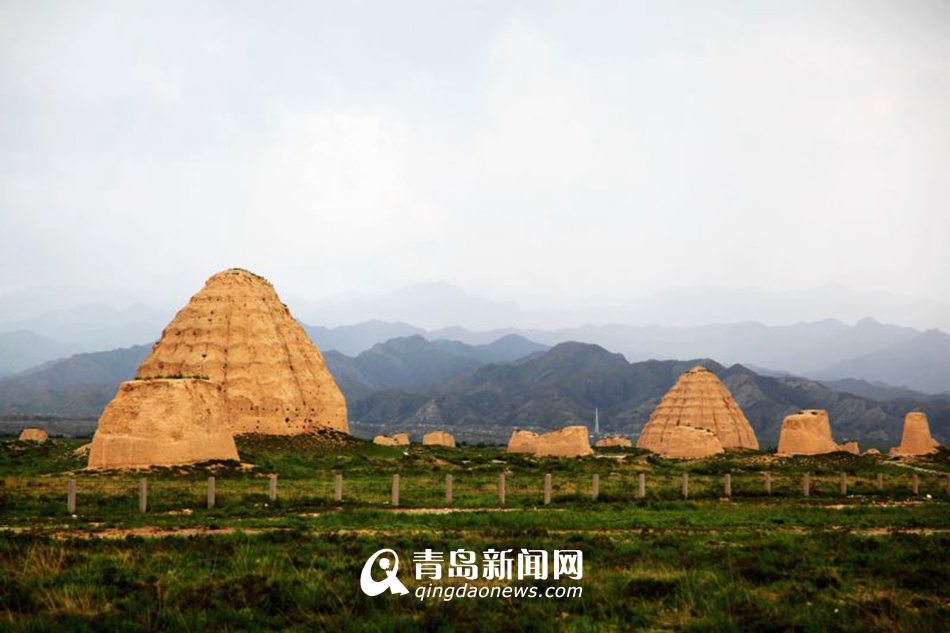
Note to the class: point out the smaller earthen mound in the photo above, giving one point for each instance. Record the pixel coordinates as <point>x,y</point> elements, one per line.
<point>523,442</point>
<point>439,438</point>
<point>807,432</point>
<point>398,439</point>
<point>916,439</point>
<point>571,441</point>
<point>163,422</point>
<point>34,434</point>
<point>690,442</point>
<point>83,451</point>
<point>850,447</point>
<point>872,451</point>
<point>614,442</point>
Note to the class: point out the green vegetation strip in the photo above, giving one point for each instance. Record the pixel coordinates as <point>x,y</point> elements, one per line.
<point>737,580</point>
<point>868,560</point>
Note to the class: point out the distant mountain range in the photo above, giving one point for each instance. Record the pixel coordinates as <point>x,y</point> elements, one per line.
<point>23,349</point>
<point>437,305</point>
<point>354,339</point>
<point>922,362</point>
<point>90,327</point>
<point>566,383</point>
<point>874,390</point>
<point>78,386</point>
<point>415,364</point>
<point>483,391</point>
<point>732,326</point>
<point>826,350</point>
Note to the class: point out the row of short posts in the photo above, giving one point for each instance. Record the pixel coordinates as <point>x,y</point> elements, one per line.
<point>502,488</point>
<point>878,483</point>
<point>143,493</point>
<point>642,486</point>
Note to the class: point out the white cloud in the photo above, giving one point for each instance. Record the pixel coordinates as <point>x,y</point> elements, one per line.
<point>536,152</point>
<point>336,169</point>
<point>159,83</point>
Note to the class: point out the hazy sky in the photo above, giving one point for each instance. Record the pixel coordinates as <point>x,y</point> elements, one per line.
<point>545,152</point>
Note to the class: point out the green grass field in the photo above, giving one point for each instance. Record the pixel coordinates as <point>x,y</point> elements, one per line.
<point>869,560</point>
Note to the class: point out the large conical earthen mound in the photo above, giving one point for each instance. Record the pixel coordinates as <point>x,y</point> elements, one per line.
<point>232,361</point>
<point>237,332</point>
<point>699,400</point>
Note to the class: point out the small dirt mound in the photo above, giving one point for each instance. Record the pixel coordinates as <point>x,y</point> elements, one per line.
<point>34,434</point>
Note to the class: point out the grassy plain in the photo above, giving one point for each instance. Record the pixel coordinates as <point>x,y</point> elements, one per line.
<point>869,560</point>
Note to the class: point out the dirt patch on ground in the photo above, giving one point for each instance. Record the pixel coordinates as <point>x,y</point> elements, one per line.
<point>155,532</point>
<point>447,510</point>
<point>632,531</point>
<point>883,531</point>
<point>876,504</point>
<point>908,463</point>
<point>145,532</point>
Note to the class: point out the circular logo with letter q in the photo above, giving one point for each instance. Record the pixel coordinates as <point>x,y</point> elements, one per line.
<point>373,587</point>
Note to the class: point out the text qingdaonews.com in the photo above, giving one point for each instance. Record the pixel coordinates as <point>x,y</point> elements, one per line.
<point>465,591</point>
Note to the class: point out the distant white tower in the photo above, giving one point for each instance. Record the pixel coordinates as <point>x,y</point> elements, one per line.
<point>596,422</point>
